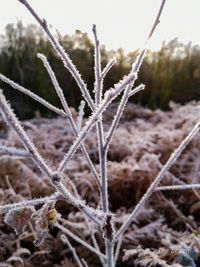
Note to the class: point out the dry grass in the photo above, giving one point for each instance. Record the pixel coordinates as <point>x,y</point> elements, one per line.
<point>142,143</point>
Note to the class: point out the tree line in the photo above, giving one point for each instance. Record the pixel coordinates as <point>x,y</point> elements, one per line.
<point>173,73</point>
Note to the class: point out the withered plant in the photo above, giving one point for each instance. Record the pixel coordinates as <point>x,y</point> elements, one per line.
<point>20,213</point>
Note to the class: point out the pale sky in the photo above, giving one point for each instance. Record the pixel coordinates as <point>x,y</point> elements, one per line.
<point>120,23</point>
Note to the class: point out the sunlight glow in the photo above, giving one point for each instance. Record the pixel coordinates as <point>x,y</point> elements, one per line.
<point>119,23</point>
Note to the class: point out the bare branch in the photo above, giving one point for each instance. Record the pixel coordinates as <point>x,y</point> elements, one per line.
<point>107,68</point>
<point>177,187</point>
<point>32,95</point>
<point>80,115</point>
<point>77,239</point>
<point>66,241</point>
<point>109,96</point>
<point>54,81</point>
<point>135,68</point>
<point>63,55</point>
<point>71,120</point>
<point>10,117</point>
<point>32,202</point>
<point>14,151</point>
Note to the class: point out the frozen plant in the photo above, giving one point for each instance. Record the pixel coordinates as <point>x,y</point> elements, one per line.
<point>18,214</point>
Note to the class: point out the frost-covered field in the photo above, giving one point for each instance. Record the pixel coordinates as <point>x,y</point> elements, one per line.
<point>141,145</point>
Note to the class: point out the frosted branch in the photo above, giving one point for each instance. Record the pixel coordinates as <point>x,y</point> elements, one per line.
<point>71,120</point>
<point>86,221</point>
<point>136,90</point>
<point>99,126</point>
<point>97,68</point>
<point>135,68</point>
<point>10,117</point>
<point>119,243</point>
<point>177,187</point>
<point>32,95</point>
<point>80,115</point>
<point>32,202</point>
<point>107,68</point>
<point>12,120</point>
<point>63,55</point>
<point>66,241</point>
<point>109,96</point>
<point>12,151</point>
<point>92,213</point>
<point>85,263</point>
<point>77,239</point>
<point>59,91</point>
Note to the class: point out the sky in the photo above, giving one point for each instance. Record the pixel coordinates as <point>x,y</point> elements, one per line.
<point>120,23</point>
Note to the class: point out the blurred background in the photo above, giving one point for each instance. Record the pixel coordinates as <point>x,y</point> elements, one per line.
<point>170,71</point>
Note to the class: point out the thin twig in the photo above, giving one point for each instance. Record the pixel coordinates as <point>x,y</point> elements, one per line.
<point>87,221</point>
<point>63,55</point>
<point>80,115</point>
<point>135,68</point>
<point>32,95</point>
<point>107,68</point>
<point>59,91</point>
<point>70,117</point>
<point>12,151</point>
<point>73,250</point>
<point>32,202</point>
<point>55,177</point>
<point>78,239</point>
<point>177,187</point>
<point>109,96</point>
<point>119,243</point>
<point>136,89</point>
<point>10,117</point>
<point>85,263</point>
<point>99,126</point>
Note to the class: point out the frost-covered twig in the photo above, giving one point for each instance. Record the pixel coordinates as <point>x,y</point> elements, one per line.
<point>32,95</point>
<point>109,96</point>
<point>97,68</point>
<point>107,68</point>
<point>25,203</point>
<point>77,239</point>
<point>80,115</point>
<point>76,194</point>
<point>59,91</point>
<point>102,152</point>
<point>135,69</point>
<point>66,241</point>
<point>100,132</point>
<point>177,187</point>
<point>85,263</point>
<point>70,117</point>
<point>127,93</point>
<point>119,243</point>
<point>55,177</point>
<point>136,89</point>
<point>63,55</point>
<point>92,213</point>
<point>12,151</point>
<point>12,120</point>
<point>150,190</point>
